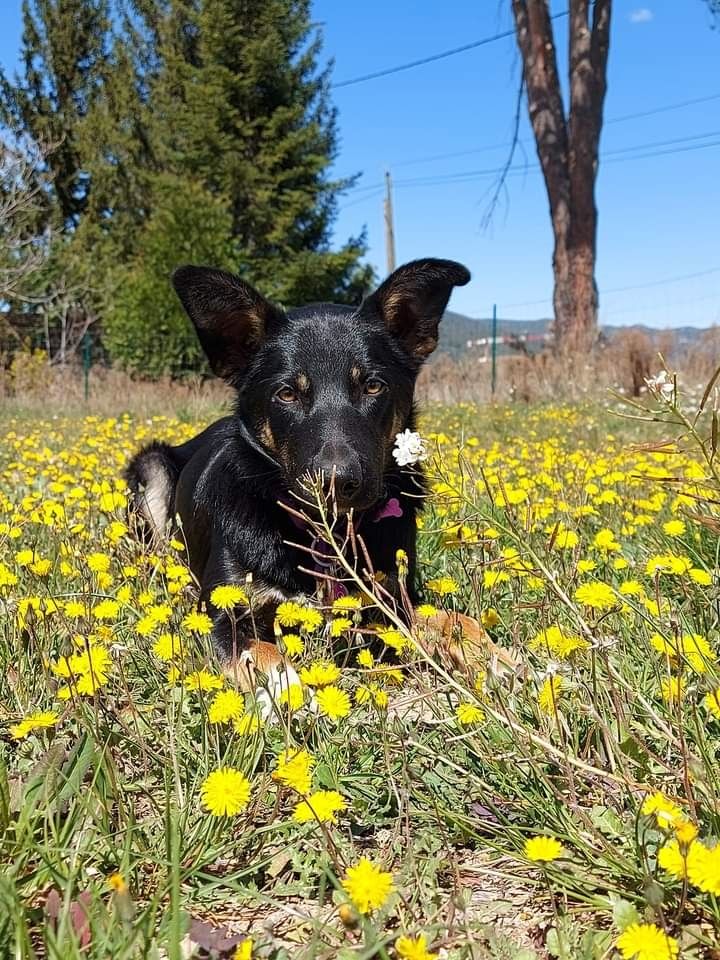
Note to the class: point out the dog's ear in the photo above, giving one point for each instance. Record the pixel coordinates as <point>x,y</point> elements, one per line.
<point>230,316</point>
<point>412,301</point>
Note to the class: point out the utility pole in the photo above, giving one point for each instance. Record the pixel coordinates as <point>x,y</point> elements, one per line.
<point>389,225</point>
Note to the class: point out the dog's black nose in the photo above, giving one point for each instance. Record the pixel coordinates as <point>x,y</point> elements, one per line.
<point>339,466</point>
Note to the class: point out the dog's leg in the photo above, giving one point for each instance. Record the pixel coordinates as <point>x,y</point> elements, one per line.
<point>152,478</point>
<point>251,662</point>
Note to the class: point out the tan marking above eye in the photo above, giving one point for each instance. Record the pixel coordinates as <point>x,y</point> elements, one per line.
<point>355,373</point>
<point>303,382</point>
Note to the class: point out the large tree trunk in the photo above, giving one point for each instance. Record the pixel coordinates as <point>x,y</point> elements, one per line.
<point>567,149</point>
<point>575,297</point>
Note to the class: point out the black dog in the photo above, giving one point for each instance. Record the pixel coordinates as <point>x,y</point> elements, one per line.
<point>321,390</point>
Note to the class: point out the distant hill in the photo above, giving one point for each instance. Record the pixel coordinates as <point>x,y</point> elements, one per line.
<point>458,330</point>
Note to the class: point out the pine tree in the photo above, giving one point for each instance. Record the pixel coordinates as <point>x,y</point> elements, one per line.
<point>63,50</point>
<point>185,130</point>
<point>238,103</point>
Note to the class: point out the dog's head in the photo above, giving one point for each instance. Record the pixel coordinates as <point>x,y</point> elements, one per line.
<point>323,389</point>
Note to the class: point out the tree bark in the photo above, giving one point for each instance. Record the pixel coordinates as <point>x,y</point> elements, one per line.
<point>567,148</point>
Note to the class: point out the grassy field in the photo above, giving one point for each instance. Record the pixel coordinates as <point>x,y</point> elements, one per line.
<point>559,799</point>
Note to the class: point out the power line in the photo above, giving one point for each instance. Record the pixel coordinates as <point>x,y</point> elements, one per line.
<point>464,176</point>
<point>655,307</point>
<point>633,286</point>
<point>433,57</point>
<point>526,141</point>
<point>524,170</point>
<point>670,106</point>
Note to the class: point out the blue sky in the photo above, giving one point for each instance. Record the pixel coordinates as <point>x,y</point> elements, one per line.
<point>658,188</point>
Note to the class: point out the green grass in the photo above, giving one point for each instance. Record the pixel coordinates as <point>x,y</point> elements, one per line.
<point>114,786</point>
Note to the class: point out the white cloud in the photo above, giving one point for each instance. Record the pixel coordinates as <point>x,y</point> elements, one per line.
<point>641,15</point>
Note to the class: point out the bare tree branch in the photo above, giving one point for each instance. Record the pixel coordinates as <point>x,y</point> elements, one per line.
<point>500,185</point>
<point>24,246</point>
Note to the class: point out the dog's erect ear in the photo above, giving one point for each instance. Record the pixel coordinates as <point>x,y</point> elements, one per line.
<point>412,301</point>
<point>230,316</point>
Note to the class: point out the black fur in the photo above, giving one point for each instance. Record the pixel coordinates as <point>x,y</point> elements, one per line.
<point>320,390</point>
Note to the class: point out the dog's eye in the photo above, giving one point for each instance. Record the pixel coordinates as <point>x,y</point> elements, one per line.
<point>374,387</point>
<point>286,395</point>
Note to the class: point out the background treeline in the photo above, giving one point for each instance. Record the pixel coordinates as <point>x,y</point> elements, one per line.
<point>141,134</point>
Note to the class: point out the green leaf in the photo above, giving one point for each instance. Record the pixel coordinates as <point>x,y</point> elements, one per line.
<point>624,913</point>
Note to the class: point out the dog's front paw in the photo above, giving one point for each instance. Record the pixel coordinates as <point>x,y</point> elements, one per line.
<point>464,642</point>
<point>263,671</point>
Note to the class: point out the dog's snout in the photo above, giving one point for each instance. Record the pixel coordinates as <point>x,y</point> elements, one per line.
<point>340,468</point>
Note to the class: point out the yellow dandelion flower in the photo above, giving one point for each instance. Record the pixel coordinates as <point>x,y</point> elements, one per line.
<point>339,626</point>
<point>700,576</point>
<point>366,659</point>
<point>106,610</point>
<point>363,695</point>
<point>291,614</point>
<point>492,577</point>
<point>712,702</point>
<point>674,528</point>
<point>672,689</point>
<point>40,720</point>
<point>243,951</point>
<point>248,723</point>
<point>367,885</point>
<point>554,640</point>
<point>393,639</point>
<point>98,562</point>
<point>426,610</point>
<point>442,586</point>
<point>685,831</point>
<point>596,595</point>
<point>111,501</point>
<point>469,713</point>
<point>333,702</point>
<point>146,626</point>
<point>168,647</point>
<point>490,618</point>
<point>117,883</point>
<point>319,674</point>
<point>543,849</point>
<point>605,540</point>
<point>228,596</point>
<point>75,609</point>
<point>203,680</point>
<point>293,644</point>
<point>292,696</point>
<point>322,805</point>
<point>198,622</point>
<point>665,811</point>
<point>645,941</point>
<point>414,948</point>
<point>227,705</point>
<point>225,792</point>
<point>672,859</point>
<point>703,868</point>
<point>346,604</point>
<point>550,694</point>
<point>294,770</point>
<point>566,540</point>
